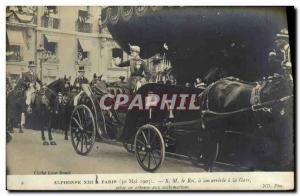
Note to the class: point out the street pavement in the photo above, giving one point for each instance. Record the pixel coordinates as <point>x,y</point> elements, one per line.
<point>27,155</point>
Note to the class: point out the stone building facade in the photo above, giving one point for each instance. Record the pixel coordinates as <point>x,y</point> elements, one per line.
<point>70,36</point>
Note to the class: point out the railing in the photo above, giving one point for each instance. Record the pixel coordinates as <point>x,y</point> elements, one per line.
<point>53,60</point>
<point>50,22</point>
<point>13,58</point>
<point>83,27</point>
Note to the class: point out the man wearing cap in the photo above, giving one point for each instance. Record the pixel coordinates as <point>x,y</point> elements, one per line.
<point>31,77</point>
<point>80,79</point>
<point>280,57</point>
<point>139,72</point>
<point>155,68</point>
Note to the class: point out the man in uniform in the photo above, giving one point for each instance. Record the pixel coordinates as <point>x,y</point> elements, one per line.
<point>30,77</point>
<point>80,79</point>
<point>139,73</point>
<point>280,57</point>
<point>78,83</point>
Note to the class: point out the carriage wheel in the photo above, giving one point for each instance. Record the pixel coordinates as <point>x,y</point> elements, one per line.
<point>129,145</point>
<point>83,129</point>
<point>149,147</point>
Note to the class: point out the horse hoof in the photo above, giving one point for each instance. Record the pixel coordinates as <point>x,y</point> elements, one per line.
<point>53,143</point>
<point>45,143</point>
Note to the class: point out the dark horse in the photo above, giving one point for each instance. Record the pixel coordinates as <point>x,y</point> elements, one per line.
<point>15,106</point>
<point>261,109</point>
<point>47,108</point>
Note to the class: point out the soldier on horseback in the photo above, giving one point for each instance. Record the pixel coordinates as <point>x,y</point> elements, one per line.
<point>30,77</point>
<point>139,72</point>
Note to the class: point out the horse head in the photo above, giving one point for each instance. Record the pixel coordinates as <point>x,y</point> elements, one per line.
<point>29,97</point>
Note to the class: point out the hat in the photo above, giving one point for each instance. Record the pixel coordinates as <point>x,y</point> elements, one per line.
<point>31,64</point>
<point>135,49</point>
<point>284,33</point>
<point>81,69</point>
<point>59,94</point>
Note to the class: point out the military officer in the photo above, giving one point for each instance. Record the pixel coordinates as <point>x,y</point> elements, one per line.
<point>80,79</point>
<point>139,72</point>
<point>30,77</point>
<point>280,58</point>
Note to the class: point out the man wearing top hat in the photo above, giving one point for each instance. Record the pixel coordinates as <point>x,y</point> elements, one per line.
<point>31,77</point>
<point>139,72</point>
<point>80,79</point>
<point>280,57</point>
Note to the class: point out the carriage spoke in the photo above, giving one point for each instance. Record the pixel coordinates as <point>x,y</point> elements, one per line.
<point>84,114</point>
<point>153,139</point>
<point>153,157</point>
<point>81,142</point>
<point>87,138</point>
<point>145,155</point>
<point>144,136</point>
<point>140,142</point>
<point>157,152</point>
<point>85,141</point>
<point>79,118</point>
<point>149,164</point>
<point>88,123</point>
<point>149,137</point>
<point>79,125</point>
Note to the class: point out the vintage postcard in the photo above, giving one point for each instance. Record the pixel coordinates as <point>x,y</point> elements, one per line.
<point>161,98</point>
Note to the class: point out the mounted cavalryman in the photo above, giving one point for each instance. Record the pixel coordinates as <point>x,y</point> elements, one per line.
<point>139,72</point>
<point>31,77</point>
<point>81,79</point>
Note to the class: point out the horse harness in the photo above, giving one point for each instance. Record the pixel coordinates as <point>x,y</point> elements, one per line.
<point>255,101</point>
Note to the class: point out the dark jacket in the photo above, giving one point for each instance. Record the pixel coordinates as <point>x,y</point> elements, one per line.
<point>79,81</point>
<point>135,70</point>
<point>29,77</point>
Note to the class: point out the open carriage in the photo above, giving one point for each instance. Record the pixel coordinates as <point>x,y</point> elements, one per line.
<point>148,133</point>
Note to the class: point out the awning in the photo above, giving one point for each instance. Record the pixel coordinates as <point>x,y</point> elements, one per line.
<point>86,45</point>
<point>15,37</point>
<point>24,18</point>
<point>51,38</point>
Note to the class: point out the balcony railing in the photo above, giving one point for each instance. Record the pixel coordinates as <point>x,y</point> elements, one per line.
<point>50,22</point>
<point>14,58</point>
<point>83,27</point>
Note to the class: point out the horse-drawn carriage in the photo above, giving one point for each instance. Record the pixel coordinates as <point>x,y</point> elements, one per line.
<point>145,132</point>
<point>226,105</point>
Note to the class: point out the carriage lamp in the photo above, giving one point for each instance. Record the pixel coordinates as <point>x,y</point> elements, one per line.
<point>42,56</point>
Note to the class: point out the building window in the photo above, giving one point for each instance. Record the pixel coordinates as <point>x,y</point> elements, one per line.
<point>51,47</point>
<point>51,10</point>
<point>83,23</point>
<point>117,57</point>
<point>83,52</point>
<point>14,53</point>
<point>50,18</point>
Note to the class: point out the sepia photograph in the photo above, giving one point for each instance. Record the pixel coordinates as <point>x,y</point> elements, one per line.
<point>161,98</point>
